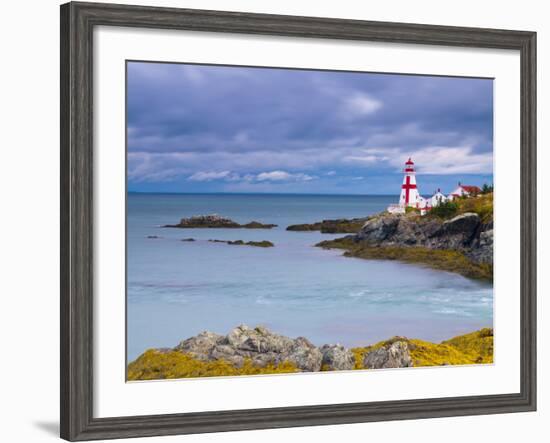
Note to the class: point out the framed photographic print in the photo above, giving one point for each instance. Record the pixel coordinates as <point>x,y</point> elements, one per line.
<point>273,221</point>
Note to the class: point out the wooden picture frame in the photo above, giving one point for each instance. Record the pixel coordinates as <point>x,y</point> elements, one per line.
<point>77,23</point>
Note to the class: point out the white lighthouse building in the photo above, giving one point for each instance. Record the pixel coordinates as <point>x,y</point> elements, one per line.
<point>409,191</point>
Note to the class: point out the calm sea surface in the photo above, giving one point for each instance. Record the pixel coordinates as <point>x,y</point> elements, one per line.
<point>177,289</point>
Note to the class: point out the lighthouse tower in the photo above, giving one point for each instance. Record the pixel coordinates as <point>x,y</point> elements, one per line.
<point>409,192</point>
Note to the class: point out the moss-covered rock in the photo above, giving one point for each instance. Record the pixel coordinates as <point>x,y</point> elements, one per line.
<point>443,259</point>
<point>473,348</point>
<point>246,351</point>
<point>155,365</point>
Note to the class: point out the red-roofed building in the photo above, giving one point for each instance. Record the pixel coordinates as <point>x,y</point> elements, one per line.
<point>464,190</point>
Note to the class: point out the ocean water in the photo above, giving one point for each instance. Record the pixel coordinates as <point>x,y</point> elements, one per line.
<point>177,289</point>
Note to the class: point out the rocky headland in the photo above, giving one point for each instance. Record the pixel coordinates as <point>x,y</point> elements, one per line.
<point>217,221</point>
<point>249,351</point>
<point>461,243</point>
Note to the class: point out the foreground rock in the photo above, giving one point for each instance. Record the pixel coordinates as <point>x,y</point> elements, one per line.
<point>340,226</point>
<point>337,358</point>
<point>246,351</point>
<point>216,221</point>
<point>392,355</point>
<point>259,345</point>
<point>258,244</point>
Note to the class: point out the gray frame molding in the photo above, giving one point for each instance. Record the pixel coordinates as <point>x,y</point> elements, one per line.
<point>77,24</point>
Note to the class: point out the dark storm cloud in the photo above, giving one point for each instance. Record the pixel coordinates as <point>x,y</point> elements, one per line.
<point>230,124</point>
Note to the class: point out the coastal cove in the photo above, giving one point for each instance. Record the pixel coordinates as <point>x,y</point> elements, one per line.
<point>178,289</point>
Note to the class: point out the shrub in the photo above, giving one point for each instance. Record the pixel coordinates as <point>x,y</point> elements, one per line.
<point>445,210</point>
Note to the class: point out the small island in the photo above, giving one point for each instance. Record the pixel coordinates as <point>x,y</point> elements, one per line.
<point>339,226</point>
<point>217,221</point>
<point>250,351</point>
<point>258,244</point>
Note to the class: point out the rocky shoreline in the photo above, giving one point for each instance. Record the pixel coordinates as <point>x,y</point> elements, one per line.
<point>462,244</point>
<point>249,351</point>
<point>216,221</point>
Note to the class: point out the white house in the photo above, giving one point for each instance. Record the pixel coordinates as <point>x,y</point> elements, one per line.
<point>437,198</point>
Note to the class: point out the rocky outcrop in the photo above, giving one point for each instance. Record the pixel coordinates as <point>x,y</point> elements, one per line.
<point>246,351</point>
<point>337,358</point>
<point>258,244</point>
<point>216,221</point>
<point>394,354</point>
<point>340,226</point>
<point>465,233</point>
<point>483,250</point>
<point>259,345</point>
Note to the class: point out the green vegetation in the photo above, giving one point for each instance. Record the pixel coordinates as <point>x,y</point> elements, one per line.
<point>481,204</point>
<point>473,348</point>
<point>411,210</point>
<point>158,365</point>
<point>445,210</point>
<point>443,259</point>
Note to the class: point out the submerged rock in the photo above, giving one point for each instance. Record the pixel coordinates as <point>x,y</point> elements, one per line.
<point>337,358</point>
<point>392,355</point>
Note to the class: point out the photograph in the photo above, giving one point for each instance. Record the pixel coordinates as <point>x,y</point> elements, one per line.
<point>285,221</point>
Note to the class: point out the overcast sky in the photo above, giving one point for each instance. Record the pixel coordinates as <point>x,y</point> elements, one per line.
<point>198,128</point>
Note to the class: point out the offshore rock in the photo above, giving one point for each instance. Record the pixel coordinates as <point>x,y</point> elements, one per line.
<point>216,221</point>
<point>339,226</point>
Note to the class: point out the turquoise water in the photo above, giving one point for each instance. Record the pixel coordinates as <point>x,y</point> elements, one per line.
<point>177,289</point>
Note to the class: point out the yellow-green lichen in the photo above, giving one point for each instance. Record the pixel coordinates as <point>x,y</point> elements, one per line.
<point>473,348</point>
<point>155,365</point>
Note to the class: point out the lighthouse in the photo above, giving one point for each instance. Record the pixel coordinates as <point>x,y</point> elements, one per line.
<point>410,197</point>
<point>409,192</point>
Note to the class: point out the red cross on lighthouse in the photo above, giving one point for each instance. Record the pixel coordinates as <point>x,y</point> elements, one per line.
<point>407,187</point>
